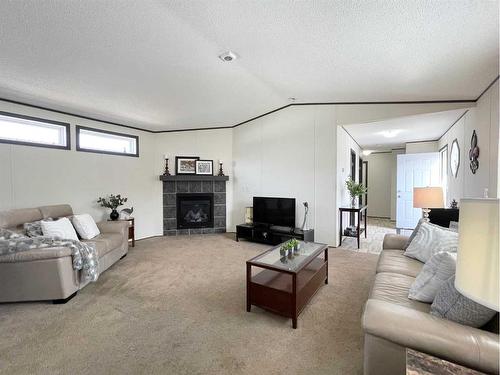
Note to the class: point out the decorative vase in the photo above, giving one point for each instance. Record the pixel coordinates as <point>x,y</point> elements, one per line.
<point>296,248</point>
<point>283,253</point>
<point>114,215</point>
<point>353,201</point>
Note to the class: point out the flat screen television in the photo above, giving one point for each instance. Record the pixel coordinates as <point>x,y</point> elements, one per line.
<point>274,211</point>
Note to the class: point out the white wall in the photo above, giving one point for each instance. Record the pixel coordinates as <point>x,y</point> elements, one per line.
<point>484,119</point>
<point>213,145</point>
<point>290,153</point>
<point>380,170</point>
<point>394,181</point>
<point>35,176</point>
<point>419,147</point>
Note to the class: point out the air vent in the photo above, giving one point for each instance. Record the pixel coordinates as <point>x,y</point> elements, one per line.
<point>228,56</point>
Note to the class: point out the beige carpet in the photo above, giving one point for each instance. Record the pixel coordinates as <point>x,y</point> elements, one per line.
<point>377,228</point>
<point>177,306</point>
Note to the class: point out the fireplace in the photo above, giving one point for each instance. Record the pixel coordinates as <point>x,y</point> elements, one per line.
<point>195,211</point>
<point>180,192</point>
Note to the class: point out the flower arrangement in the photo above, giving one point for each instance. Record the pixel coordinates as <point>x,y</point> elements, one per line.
<point>112,202</point>
<point>355,189</point>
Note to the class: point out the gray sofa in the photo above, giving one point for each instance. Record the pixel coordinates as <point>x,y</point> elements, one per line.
<point>392,322</point>
<point>48,274</point>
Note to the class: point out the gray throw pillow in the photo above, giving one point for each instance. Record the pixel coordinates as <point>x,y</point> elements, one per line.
<point>450,304</point>
<point>413,234</point>
<point>34,229</point>
<point>433,275</point>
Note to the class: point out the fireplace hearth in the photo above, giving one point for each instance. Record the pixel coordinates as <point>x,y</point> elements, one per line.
<point>195,211</point>
<point>194,204</point>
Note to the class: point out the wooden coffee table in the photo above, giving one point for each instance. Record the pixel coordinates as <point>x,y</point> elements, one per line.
<point>286,284</point>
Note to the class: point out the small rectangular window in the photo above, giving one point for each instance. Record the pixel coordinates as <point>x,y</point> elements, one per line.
<point>106,142</point>
<point>33,131</point>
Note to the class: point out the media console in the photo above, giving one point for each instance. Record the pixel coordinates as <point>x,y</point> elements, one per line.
<point>272,235</point>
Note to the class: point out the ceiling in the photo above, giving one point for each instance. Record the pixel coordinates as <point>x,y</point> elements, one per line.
<point>396,132</point>
<point>153,64</point>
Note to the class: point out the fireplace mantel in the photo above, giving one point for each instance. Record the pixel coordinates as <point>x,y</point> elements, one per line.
<point>188,177</point>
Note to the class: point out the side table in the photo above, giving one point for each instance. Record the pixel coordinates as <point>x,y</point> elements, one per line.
<point>131,230</point>
<point>360,210</point>
<point>418,363</point>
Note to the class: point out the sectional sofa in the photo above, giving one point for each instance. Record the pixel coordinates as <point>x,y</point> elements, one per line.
<point>392,322</point>
<point>48,274</point>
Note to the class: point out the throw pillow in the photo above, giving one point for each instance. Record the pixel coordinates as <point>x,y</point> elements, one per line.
<point>431,239</point>
<point>34,229</point>
<point>450,304</point>
<point>433,275</point>
<point>413,234</point>
<point>61,228</point>
<point>85,226</point>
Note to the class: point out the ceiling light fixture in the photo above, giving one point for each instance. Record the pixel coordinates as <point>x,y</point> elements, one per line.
<point>228,56</point>
<point>367,152</point>
<point>390,133</point>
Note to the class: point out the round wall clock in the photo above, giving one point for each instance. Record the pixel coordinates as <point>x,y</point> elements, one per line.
<point>454,158</point>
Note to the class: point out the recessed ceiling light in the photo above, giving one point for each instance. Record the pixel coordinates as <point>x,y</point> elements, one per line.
<point>367,152</point>
<point>228,56</point>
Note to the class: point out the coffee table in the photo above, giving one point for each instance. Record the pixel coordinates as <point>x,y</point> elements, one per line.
<point>286,284</point>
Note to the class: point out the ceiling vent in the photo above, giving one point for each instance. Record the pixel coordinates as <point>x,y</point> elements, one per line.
<point>228,56</point>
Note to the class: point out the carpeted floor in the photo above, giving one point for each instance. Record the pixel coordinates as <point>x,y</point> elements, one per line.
<point>377,228</point>
<point>176,305</point>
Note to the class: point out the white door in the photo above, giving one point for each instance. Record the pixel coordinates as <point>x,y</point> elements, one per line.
<point>414,170</point>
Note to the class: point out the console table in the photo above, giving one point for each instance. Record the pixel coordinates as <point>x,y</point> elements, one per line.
<point>360,210</point>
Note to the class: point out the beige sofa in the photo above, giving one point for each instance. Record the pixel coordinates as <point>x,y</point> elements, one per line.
<point>392,322</point>
<point>48,274</point>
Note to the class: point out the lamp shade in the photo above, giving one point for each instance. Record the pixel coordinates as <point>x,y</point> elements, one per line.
<point>428,197</point>
<point>478,252</point>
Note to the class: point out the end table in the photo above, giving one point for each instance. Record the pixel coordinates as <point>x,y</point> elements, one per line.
<point>131,229</point>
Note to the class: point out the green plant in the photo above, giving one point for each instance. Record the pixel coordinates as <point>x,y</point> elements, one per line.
<point>355,189</point>
<point>293,242</point>
<point>112,202</point>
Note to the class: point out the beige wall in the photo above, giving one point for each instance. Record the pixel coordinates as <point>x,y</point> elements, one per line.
<point>380,168</point>
<point>484,119</point>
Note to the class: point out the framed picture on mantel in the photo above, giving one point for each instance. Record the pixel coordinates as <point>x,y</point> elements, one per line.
<point>205,167</point>
<point>185,164</point>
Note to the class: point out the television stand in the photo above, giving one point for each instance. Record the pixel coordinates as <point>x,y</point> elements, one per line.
<point>270,235</point>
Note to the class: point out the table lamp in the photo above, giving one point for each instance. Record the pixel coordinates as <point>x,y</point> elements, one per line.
<point>427,198</point>
<point>478,252</point>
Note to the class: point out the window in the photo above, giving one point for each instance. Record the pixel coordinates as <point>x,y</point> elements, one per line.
<point>105,142</point>
<point>32,131</point>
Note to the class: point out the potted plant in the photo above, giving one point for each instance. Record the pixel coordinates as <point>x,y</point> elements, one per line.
<point>112,202</point>
<point>284,250</point>
<point>355,189</point>
<point>295,245</point>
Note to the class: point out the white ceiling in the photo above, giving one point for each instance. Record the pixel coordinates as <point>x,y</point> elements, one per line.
<point>154,64</point>
<point>396,132</point>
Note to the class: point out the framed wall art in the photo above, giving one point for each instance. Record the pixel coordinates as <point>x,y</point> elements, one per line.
<point>205,167</point>
<point>185,164</point>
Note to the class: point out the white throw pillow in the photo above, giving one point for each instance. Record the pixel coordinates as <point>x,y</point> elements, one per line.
<point>431,239</point>
<point>85,226</point>
<point>60,228</point>
<point>433,275</point>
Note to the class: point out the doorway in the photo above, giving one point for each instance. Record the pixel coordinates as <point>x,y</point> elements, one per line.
<point>414,170</point>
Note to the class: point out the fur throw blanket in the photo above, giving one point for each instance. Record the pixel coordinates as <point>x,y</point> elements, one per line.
<point>84,254</point>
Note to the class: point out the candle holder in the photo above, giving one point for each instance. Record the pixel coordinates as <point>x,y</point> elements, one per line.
<point>167,172</point>
<point>221,172</point>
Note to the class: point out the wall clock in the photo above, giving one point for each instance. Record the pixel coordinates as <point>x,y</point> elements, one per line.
<point>454,158</point>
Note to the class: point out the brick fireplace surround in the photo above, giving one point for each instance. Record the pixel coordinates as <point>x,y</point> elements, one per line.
<point>196,185</point>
